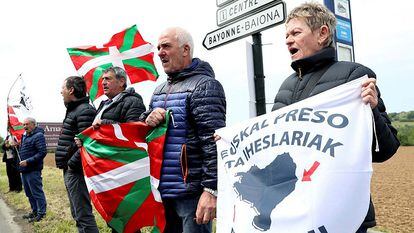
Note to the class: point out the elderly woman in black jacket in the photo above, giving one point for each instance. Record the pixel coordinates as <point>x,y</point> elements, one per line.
<point>11,159</point>
<point>309,39</point>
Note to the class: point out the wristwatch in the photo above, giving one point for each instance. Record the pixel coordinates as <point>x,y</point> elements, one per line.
<point>211,191</point>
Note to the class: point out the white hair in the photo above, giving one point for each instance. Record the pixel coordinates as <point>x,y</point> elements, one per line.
<point>183,38</point>
<point>31,120</point>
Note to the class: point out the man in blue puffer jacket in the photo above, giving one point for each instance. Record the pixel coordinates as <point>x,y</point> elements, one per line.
<point>32,153</point>
<point>196,99</point>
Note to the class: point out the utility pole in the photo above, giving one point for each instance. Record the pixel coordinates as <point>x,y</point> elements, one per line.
<point>259,81</point>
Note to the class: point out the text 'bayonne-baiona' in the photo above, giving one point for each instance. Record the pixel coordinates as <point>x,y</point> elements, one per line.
<point>246,26</point>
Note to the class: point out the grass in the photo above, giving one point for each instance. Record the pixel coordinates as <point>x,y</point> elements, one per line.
<point>381,229</point>
<point>58,217</point>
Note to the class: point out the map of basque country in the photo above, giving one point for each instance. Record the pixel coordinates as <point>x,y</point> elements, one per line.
<point>266,188</point>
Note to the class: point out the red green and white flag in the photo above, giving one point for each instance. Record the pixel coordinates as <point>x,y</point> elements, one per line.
<point>126,49</point>
<point>18,108</point>
<point>15,126</point>
<point>122,166</point>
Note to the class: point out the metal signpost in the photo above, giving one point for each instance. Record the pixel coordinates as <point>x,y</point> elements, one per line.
<point>242,18</point>
<point>343,37</point>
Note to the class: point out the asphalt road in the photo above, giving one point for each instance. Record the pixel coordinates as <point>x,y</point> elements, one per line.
<point>6,219</point>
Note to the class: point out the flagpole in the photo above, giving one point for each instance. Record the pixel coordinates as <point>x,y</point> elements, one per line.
<point>18,154</point>
<point>8,94</point>
<point>16,148</point>
<point>8,97</point>
<point>7,108</point>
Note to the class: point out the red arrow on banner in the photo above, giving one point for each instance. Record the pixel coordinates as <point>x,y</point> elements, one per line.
<point>307,174</point>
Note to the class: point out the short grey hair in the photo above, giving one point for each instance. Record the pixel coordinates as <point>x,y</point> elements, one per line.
<point>31,120</point>
<point>119,73</point>
<point>183,38</point>
<point>315,16</point>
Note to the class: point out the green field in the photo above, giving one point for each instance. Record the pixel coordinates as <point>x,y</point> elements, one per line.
<point>399,124</point>
<point>58,218</point>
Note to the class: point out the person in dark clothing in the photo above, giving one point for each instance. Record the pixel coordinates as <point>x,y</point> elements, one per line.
<point>11,159</point>
<point>123,105</point>
<point>196,99</point>
<point>309,38</point>
<point>32,152</point>
<point>79,116</point>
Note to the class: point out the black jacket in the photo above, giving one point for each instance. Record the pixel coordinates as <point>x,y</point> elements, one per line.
<point>335,73</point>
<point>127,108</point>
<point>79,116</point>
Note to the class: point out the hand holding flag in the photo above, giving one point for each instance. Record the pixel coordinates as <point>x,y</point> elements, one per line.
<point>122,166</point>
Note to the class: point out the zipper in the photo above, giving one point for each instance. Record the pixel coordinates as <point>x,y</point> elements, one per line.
<point>295,94</point>
<point>172,119</point>
<point>375,133</point>
<point>166,96</point>
<point>184,163</point>
<point>165,105</point>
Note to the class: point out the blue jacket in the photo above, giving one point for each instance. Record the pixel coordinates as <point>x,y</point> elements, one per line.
<point>33,150</point>
<point>198,106</point>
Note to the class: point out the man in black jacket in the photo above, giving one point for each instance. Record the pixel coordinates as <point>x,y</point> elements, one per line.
<point>79,116</point>
<point>123,105</point>
<point>188,180</point>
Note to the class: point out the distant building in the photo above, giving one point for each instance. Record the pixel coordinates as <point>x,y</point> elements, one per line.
<point>52,132</point>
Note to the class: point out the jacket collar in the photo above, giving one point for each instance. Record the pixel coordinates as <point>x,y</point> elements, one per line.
<point>36,130</point>
<point>197,67</point>
<point>314,62</point>
<point>73,104</point>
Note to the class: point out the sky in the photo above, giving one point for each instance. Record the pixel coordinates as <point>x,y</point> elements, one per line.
<point>35,35</point>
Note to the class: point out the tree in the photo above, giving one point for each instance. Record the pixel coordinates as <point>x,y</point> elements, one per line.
<point>1,143</point>
<point>410,115</point>
<point>393,116</point>
<point>406,135</point>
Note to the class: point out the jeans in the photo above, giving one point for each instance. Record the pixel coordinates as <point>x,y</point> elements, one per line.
<point>180,216</point>
<point>80,203</point>
<point>33,187</point>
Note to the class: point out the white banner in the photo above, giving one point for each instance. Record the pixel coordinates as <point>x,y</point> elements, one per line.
<point>305,168</point>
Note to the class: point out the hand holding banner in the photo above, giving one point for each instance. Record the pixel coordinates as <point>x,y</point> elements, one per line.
<point>303,168</point>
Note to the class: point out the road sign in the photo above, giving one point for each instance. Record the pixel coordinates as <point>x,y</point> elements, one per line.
<point>222,2</point>
<point>343,30</point>
<point>239,8</point>
<point>260,21</point>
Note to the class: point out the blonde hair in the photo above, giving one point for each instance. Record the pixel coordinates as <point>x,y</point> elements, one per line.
<point>315,16</point>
